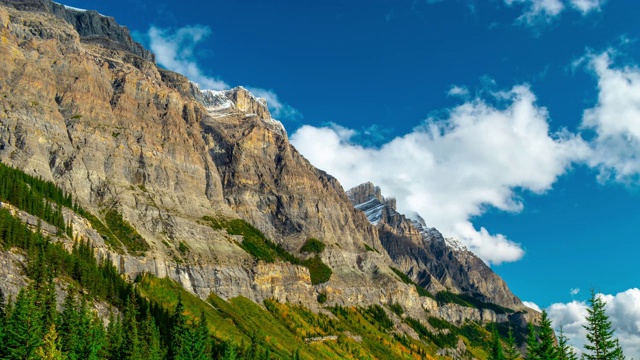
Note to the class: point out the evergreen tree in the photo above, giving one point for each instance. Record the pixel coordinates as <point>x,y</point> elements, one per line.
<point>532,343</point>
<point>565,351</point>
<point>179,332</point>
<point>511,351</point>
<point>114,340</point>
<point>200,346</point>
<point>50,348</point>
<point>150,338</point>
<point>230,352</point>
<point>546,350</point>
<point>92,330</point>
<point>23,327</point>
<point>131,342</point>
<point>496,352</point>
<point>601,343</point>
<point>70,328</point>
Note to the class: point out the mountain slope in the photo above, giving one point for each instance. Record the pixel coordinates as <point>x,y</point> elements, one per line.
<point>436,263</point>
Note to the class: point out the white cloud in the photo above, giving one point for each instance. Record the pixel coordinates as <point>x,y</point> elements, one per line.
<point>532,305</point>
<point>623,310</point>
<point>575,291</point>
<point>538,10</point>
<point>615,120</point>
<point>545,11</point>
<point>278,109</point>
<point>450,170</point>
<point>586,6</point>
<point>175,50</point>
<point>458,91</point>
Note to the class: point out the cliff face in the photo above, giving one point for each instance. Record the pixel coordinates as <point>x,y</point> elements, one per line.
<point>436,263</point>
<point>83,106</point>
<point>90,25</point>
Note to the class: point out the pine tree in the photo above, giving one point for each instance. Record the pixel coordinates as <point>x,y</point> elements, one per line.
<point>179,332</point>
<point>511,351</point>
<point>50,348</point>
<point>131,341</point>
<point>546,350</point>
<point>150,337</point>
<point>496,352</point>
<point>114,339</point>
<point>532,343</point>
<point>201,349</point>
<point>565,351</point>
<point>92,330</point>
<point>23,327</point>
<point>70,332</point>
<point>230,352</point>
<point>602,345</point>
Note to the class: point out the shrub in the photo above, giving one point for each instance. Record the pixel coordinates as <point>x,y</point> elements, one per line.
<point>322,298</point>
<point>397,309</point>
<point>313,246</point>
<point>319,271</point>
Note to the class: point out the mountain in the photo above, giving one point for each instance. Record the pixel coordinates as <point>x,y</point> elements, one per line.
<point>436,263</point>
<point>203,189</point>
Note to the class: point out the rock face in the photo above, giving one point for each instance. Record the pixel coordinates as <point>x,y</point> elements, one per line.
<point>99,119</point>
<point>430,260</point>
<point>90,25</point>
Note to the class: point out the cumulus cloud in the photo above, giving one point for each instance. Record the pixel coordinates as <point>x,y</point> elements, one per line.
<point>623,310</point>
<point>175,50</point>
<point>278,109</point>
<point>532,305</point>
<point>586,6</point>
<point>615,121</point>
<point>452,169</point>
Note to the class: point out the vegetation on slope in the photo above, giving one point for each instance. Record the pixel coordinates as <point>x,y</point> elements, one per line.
<point>405,279</point>
<point>446,297</point>
<point>313,245</point>
<point>158,319</point>
<point>259,246</point>
<point>45,200</point>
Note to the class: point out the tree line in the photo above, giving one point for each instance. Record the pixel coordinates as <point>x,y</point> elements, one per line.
<point>542,345</point>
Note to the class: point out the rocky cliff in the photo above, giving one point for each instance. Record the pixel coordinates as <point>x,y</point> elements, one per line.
<point>436,263</point>
<point>85,107</point>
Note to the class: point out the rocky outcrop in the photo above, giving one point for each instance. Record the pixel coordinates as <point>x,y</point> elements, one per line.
<point>90,25</point>
<point>421,252</point>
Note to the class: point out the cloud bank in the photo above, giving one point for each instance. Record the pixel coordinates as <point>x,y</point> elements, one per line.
<point>623,310</point>
<point>615,120</point>
<point>451,169</point>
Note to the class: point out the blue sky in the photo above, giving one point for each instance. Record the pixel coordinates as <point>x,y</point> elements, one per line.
<point>519,117</point>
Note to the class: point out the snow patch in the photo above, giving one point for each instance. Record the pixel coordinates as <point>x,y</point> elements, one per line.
<point>372,209</point>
